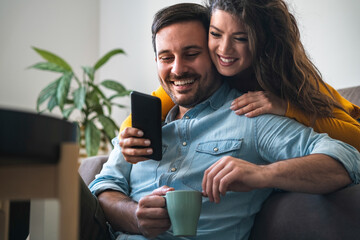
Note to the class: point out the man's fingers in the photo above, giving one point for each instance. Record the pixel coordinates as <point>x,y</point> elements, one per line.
<point>132,141</point>
<point>162,190</point>
<point>131,132</point>
<point>136,152</point>
<point>208,179</point>
<point>217,183</point>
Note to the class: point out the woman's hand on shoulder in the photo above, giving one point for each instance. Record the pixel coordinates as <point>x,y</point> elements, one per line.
<point>253,104</point>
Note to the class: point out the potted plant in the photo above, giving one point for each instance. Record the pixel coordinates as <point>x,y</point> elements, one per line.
<point>70,93</point>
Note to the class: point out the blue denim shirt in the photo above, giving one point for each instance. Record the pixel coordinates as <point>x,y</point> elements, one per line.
<point>206,133</point>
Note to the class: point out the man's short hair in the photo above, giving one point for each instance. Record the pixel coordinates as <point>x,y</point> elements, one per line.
<point>179,13</point>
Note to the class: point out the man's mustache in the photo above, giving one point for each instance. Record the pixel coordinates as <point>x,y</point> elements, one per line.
<point>183,76</point>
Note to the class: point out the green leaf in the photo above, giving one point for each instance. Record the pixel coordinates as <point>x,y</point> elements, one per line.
<point>125,93</point>
<point>92,99</point>
<point>119,105</point>
<point>106,57</point>
<point>103,97</point>
<point>63,89</point>
<point>79,97</point>
<point>47,92</point>
<point>66,113</point>
<point>97,109</point>
<point>49,66</point>
<point>92,139</point>
<point>89,71</point>
<point>51,57</point>
<point>113,85</point>
<point>109,126</point>
<point>52,103</point>
<point>93,102</point>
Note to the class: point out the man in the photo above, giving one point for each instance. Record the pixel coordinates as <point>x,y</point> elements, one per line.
<point>234,160</point>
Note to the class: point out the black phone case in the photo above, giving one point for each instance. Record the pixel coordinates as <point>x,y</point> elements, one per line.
<point>146,116</point>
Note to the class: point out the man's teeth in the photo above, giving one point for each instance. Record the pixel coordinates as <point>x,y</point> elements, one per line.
<point>227,60</point>
<point>183,82</point>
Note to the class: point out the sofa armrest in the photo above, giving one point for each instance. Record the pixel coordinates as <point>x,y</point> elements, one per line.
<point>309,216</point>
<point>91,166</point>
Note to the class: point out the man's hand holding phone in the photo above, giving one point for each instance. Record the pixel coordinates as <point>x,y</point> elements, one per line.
<point>131,139</point>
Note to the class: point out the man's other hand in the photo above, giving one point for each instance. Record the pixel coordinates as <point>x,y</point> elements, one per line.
<point>151,213</point>
<point>232,174</point>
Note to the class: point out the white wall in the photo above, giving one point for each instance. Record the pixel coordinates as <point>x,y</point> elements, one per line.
<point>330,33</point>
<point>68,28</point>
<point>81,31</point>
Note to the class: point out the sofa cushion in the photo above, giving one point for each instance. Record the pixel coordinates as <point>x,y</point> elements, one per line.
<point>298,216</point>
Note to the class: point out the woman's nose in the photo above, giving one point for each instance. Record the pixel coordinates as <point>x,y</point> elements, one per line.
<point>225,46</point>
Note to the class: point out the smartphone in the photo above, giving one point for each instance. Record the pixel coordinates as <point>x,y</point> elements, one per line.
<point>146,116</point>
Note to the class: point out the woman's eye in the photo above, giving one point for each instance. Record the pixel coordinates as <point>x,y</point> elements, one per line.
<point>215,34</point>
<point>241,39</point>
<point>193,54</point>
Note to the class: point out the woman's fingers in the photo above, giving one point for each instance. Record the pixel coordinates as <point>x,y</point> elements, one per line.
<point>253,104</point>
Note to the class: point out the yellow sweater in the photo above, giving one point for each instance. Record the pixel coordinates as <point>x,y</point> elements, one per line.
<point>343,126</point>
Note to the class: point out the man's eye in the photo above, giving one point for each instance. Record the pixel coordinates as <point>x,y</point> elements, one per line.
<point>215,34</point>
<point>165,59</point>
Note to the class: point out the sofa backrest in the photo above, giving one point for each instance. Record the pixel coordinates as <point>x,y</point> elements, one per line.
<point>352,94</point>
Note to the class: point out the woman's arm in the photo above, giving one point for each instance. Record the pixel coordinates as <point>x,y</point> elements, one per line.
<point>342,126</point>
<point>166,105</point>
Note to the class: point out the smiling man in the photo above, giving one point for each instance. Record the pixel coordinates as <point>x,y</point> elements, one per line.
<point>184,66</point>
<point>234,160</point>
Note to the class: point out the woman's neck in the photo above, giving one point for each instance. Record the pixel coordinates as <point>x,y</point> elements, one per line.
<point>244,81</point>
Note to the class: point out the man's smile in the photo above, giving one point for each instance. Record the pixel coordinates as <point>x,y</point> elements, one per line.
<point>183,82</point>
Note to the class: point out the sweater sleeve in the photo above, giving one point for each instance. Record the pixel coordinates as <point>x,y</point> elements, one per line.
<point>166,105</point>
<point>342,126</point>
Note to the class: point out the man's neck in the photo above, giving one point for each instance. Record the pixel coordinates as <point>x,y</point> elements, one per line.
<point>181,112</point>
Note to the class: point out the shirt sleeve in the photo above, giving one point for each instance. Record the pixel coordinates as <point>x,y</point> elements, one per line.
<point>166,105</point>
<point>284,139</point>
<point>342,126</point>
<point>115,174</point>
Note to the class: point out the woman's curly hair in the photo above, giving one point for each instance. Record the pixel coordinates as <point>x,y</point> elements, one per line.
<point>279,60</point>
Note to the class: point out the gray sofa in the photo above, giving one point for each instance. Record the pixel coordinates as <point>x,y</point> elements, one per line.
<point>292,216</point>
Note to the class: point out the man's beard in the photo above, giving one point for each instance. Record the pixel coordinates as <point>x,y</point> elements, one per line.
<point>189,103</point>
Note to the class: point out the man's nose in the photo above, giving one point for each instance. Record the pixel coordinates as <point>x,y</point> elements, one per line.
<point>179,66</point>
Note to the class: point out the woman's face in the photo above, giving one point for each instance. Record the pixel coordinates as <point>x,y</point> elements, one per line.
<point>228,43</point>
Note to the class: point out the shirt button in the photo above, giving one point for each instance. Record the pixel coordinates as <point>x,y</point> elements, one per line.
<point>187,117</point>
<point>173,169</point>
<point>216,149</point>
<point>184,143</point>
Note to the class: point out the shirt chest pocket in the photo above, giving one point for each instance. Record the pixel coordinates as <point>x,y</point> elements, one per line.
<point>219,147</point>
<point>205,155</point>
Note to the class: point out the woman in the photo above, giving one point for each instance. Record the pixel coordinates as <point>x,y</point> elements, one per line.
<point>256,46</point>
